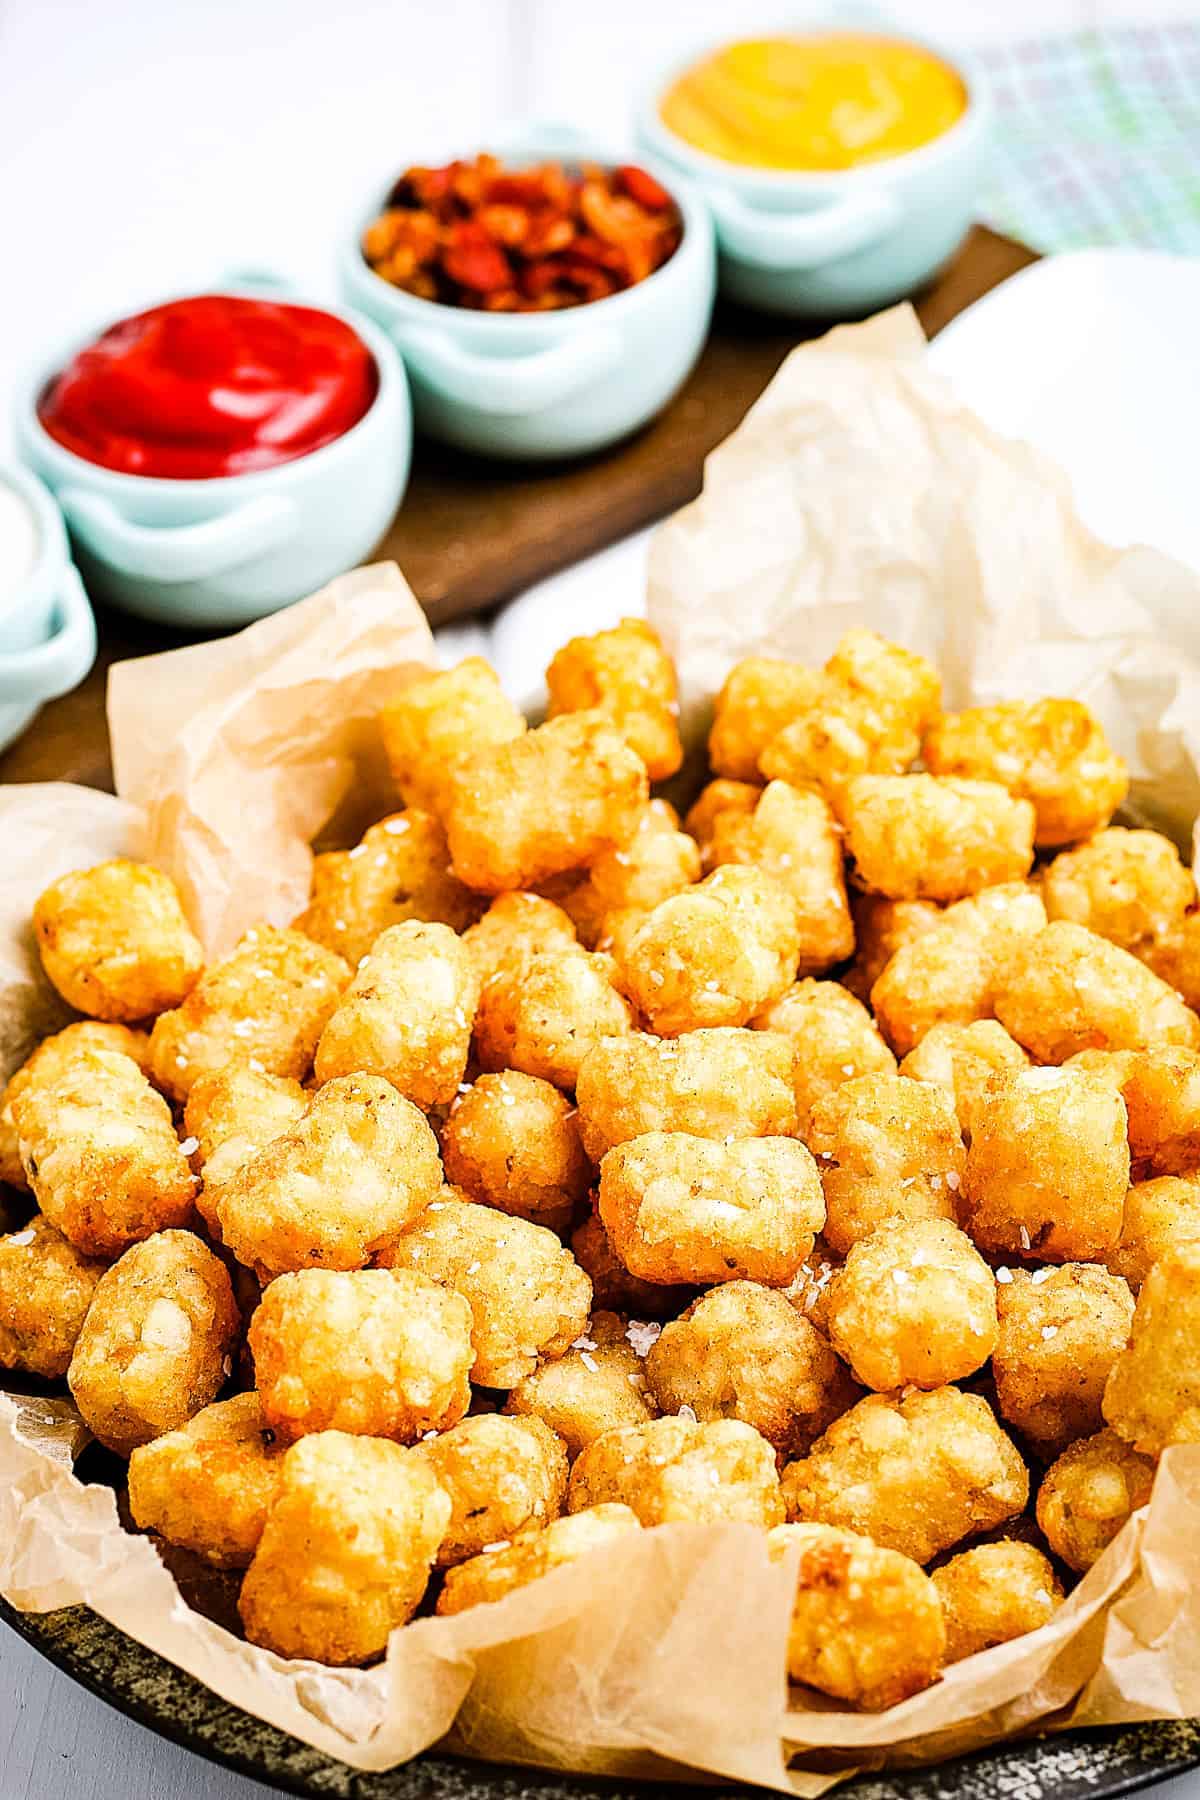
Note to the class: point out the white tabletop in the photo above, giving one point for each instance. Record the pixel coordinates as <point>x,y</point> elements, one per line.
<point>149,143</point>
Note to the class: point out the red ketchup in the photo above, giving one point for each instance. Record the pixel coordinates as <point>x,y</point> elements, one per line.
<point>214,385</point>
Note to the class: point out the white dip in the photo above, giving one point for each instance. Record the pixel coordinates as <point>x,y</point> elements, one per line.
<point>18,541</point>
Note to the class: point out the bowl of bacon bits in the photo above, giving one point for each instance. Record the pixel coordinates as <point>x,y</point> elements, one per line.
<point>544,307</point>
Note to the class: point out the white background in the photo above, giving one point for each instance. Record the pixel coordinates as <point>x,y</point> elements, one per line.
<point>147,144</point>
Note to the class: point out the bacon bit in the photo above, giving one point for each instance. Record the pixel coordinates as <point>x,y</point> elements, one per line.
<point>473,260</point>
<point>642,187</point>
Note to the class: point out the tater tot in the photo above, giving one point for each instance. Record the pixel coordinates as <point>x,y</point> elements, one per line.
<point>679,1469</point>
<point>808,1290</point>
<point>906,683</point>
<point>1051,752</point>
<point>231,1118</point>
<point>1064,989</point>
<point>503,1475</point>
<point>542,1016</point>
<point>1161,1090</point>
<point>1159,1214</point>
<point>715,798</point>
<point>489,1577</point>
<point>917,1473</point>
<point>517,813</point>
<point>513,928</point>
<point>680,1208</point>
<point>209,1485</point>
<point>760,696</point>
<point>400,870</point>
<point>266,1004</point>
<point>155,1345</point>
<point>1175,959</point>
<point>1126,886</point>
<point>528,1297</point>
<point>380,1352</point>
<point>115,942</point>
<point>881,927</point>
<point>599,1384</point>
<point>100,1152</point>
<point>715,955</point>
<point>833,1039</point>
<point>889,1151</point>
<point>927,837</point>
<point>718,1083</point>
<point>792,836</point>
<point>360,1166</point>
<point>407,1015</point>
<point>46,1287</point>
<point>346,1551</point>
<point>657,861</point>
<point>626,674</point>
<point>437,720</point>
<point>866,1622</point>
<point>88,1033</point>
<point>1048,1166</point>
<point>613,1286</point>
<point>994,1593</point>
<point>914,1304</point>
<point>512,1142</point>
<point>1094,1488</point>
<point>1153,1394</point>
<point>1061,1331</point>
<point>743,1352</point>
<point>962,1059</point>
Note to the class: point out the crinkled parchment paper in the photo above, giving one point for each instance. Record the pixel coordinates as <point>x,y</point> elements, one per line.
<point>856,492</point>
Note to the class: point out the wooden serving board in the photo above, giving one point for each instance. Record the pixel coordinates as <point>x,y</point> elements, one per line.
<point>473,533</point>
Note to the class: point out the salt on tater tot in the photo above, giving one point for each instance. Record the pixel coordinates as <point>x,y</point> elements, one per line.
<point>209,1485</point>
<point>513,928</point>
<point>543,1015</point>
<point>613,1287</point>
<point>658,860</point>
<point>889,1151</point>
<point>679,1208</point>
<point>512,1142</point>
<point>400,870</point>
<point>833,1039</point>
<point>598,1384</point>
<point>808,1290</point>
<point>1089,1494</point>
<point>100,1152</point>
<point>346,1551</point>
<point>46,1287</point>
<point>1159,1214</point>
<point>719,1082</point>
<point>360,1166</point>
<point>1052,753</point>
<point>86,1033</point>
<point>529,1298</point>
<point>230,1118</point>
<point>866,1622</point>
<point>406,1015</point>
<point>916,1472</point>
<point>681,1469</point>
<point>962,1059</point>
<point>946,976</point>
<point>155,1345</point>
<point>1127,886</point>
<point>625,674</point>
<point>520,812</point>
<point>742,1351</point>
<point>914,1304</point>
<point>1152,1398</point>
<point>503,1475</point>
<point>115,942</point>
<point>715,955</point>
<point>438,719</point>
<point>508,1566</point>
<point>1048,1166</point>
<point>1061,1331</point>
<point>881,927</point>
<point>792,836</point>
<point>761,695</point>
<point>1063,989</point>
<point>266,1003</point>
<point>931,837</point>
<point>716,797</point>
<point>380,1352</point>
<point>994,1593</point>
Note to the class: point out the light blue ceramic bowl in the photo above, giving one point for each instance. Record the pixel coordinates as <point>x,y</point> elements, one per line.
<point>839,244</point>
<point>540,385</point>
<point>229,550</point>
<point>47,633</point>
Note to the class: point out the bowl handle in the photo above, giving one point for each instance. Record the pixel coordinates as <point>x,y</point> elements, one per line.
<point>178,552</point>
<point>60,662</point>
<point>504,385</point>
<point>774,240</point>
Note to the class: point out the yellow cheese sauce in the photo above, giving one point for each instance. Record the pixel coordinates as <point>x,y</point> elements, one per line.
<point>831,100</point>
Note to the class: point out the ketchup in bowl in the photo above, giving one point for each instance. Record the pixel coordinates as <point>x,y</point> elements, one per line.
<point>209,386</point>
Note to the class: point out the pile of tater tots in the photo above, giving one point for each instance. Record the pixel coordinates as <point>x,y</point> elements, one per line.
<point>827,1161</point>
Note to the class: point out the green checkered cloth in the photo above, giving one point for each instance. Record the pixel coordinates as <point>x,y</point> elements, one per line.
<point>1097,138</point>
